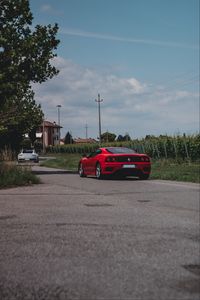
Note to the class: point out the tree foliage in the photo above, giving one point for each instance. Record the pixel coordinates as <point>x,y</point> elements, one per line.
<point>68,138</point>
<point>124,138</point>
<point>108,137</point>
<point>25,58</point>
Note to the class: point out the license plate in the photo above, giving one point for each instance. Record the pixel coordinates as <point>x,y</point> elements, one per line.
<point>129,166</point>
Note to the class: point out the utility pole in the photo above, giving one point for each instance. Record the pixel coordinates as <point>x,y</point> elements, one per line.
<point>86,130</point>
<point>59,106</point>
<point>99,111</point>
<point>43,135</point>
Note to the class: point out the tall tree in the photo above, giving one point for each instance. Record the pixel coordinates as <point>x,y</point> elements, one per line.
<point>68,138</point>
<point>122,138</point>
<point>25,58</point>
<point>127,137</point>
<point>108,137</point>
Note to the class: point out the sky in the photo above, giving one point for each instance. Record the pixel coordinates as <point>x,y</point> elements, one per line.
<point>141,56</point>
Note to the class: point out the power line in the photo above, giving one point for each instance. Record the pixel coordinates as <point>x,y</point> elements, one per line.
<point>180,80</point>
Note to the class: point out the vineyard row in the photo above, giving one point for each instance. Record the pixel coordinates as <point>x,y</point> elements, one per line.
<point>180,147</point>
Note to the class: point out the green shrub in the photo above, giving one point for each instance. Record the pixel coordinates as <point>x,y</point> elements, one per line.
<point>7,154</point>
<point>12,175</point>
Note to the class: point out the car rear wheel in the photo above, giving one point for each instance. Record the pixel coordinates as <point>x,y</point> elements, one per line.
<point>81,171</point>
<point>144,176</point>
<point>98,172</point>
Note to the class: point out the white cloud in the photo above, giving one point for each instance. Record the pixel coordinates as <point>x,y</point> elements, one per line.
<point>102,36</point>
<point>129,105</point>
<point>46,8</point>
<point>49,9</point>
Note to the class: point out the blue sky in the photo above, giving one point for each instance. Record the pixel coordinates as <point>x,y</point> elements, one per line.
<point>142,56</point>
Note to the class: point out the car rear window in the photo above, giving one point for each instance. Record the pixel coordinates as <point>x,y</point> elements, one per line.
<point>27,151</point>
<point>120,150</point>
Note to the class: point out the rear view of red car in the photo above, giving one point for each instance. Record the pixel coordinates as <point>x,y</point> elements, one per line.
<point>119,161</point>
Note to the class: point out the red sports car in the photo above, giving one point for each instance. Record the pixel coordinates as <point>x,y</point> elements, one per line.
<point>115,161</point>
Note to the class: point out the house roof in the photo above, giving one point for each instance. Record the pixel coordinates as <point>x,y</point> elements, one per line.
<point>89,141</point>
<point>50,124</point>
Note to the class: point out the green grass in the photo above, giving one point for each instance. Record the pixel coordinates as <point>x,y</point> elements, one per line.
<point>170,170</point>
<point>63,161</point>
<point>12,175</point>
<point>161,169</point>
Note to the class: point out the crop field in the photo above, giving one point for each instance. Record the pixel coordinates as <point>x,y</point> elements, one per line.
<point>172,157</point>
<point>179,148</point>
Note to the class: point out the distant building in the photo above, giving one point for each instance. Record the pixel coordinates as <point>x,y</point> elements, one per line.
<point>84,141</point>
<point>50,132</point>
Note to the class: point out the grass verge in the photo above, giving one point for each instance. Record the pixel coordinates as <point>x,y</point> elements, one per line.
<point>12,175</point>
<point>63,161</point>
<point>161,169</point>
<point>171,170</point>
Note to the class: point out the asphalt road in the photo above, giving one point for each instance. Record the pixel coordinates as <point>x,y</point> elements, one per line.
<point>81,238</point>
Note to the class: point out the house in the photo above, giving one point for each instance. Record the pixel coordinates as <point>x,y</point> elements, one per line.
<point>50,132</point>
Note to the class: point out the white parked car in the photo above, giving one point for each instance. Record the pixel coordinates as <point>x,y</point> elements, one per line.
<point>28,155</point>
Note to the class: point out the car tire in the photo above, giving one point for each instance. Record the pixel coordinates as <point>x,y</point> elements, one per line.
<point>81,170</point>
<point>98,171</point>
<point>144,176</point>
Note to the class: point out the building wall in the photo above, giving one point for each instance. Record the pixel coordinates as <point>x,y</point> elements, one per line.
<point>51,135</point>
<point>56,136</point>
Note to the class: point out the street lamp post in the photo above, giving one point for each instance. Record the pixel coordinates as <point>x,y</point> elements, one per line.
<point>59,106</point>
<point>99,111</point>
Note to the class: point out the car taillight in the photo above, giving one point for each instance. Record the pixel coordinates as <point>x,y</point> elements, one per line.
<point>110,159</point>
<point>145,158</point>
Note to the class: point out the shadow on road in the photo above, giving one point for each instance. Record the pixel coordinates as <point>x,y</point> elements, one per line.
<point>53,172</point>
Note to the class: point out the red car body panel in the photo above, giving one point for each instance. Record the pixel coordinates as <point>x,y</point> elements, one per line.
<point>126,164</point>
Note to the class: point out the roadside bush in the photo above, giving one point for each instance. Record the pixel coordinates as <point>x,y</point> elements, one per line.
<point>12,175</point>
<point>7,154</point>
